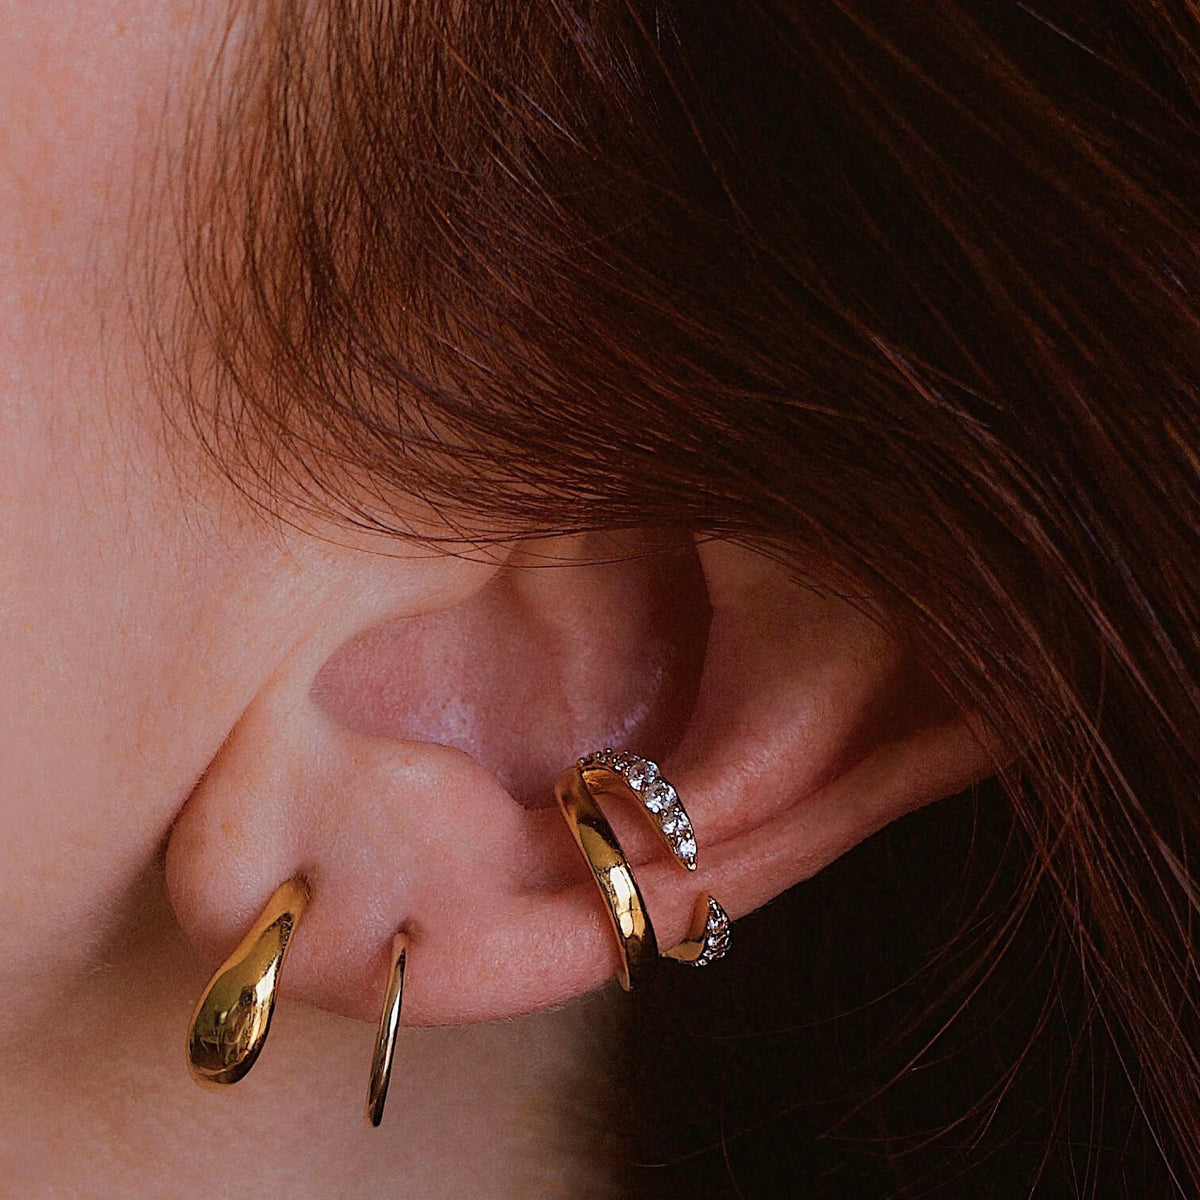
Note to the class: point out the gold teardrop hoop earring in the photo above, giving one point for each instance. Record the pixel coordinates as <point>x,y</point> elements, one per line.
<point>233,1017</point>
<point>621,776</point>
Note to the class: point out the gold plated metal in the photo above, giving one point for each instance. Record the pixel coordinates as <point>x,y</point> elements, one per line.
<point>622,776</point>
<point>610,868</point>
<point>708,938</point>
<point>640,780</point>
<point>232,1018</point>
<point>389,1025</point>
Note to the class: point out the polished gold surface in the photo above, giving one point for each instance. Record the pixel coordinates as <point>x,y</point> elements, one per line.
<point>389,1025</point>
<point>233,1016</point>
<point>610,869</point>
<point>621,776</point>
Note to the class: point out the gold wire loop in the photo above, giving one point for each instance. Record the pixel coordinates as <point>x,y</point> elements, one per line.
<point>233,1016</point>
<point>610,868</point>
<point>389,1025</point>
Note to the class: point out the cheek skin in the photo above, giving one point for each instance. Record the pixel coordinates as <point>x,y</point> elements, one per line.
<point>137,622</point>
<point>133,644</point>
<point>141,607</point>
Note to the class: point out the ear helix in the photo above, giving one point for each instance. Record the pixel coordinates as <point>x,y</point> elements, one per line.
<point>622,776</point>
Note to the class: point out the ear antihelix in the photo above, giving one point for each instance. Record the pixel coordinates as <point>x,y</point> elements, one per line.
<point>233,1016</point>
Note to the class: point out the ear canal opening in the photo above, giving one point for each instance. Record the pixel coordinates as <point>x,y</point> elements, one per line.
<point>578,642</point>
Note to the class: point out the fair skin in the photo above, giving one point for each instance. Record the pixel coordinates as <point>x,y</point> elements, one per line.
<point>246,699</point>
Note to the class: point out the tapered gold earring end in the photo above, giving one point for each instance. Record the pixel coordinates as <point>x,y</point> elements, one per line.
<point>233,1016</point>
<point>708,938</point>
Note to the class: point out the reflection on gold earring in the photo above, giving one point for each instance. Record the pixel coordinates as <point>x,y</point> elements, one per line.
<point>233,1015</point>
<point>610,868</point>
<point>621,775</point>
<point>389,1024</point>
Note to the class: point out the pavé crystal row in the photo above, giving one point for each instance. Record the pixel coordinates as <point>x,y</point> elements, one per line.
<point>658,798</point>
<point>716,935</point>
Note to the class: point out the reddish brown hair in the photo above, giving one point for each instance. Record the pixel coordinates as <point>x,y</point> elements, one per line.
<point>907,293</point>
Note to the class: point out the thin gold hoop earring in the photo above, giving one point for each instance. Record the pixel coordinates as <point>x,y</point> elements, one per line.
<point>389,1025</point>
<point>233,1016</point>
<point>623,776</point>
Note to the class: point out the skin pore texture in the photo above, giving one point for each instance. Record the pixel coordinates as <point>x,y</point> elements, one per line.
<point>189,683</point>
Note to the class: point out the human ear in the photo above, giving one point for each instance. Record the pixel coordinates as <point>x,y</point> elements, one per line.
<point>401,761</point>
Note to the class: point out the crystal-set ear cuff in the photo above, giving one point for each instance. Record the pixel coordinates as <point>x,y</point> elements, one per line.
<point>618,775</point>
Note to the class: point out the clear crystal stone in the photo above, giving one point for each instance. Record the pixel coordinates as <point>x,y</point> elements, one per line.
<point>658,795</point>
<point>640,773</point>
<point>687,847</point>
<point>675,821</point>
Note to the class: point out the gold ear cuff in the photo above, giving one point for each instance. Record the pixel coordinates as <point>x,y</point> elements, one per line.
<point>619,775</point>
